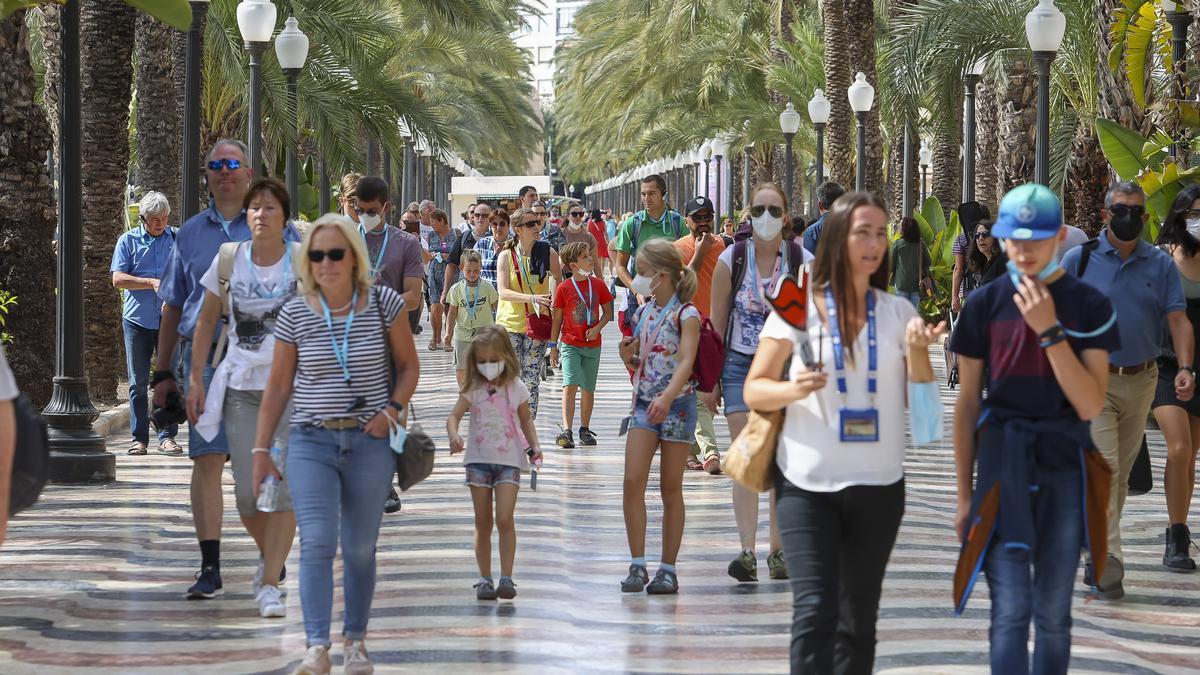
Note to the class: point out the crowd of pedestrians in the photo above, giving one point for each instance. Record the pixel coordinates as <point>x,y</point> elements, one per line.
<point>291,354</point>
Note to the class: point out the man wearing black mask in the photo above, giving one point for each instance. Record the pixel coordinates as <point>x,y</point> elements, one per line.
<point>1144,287</point>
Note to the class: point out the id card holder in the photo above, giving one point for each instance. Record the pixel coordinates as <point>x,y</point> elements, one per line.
<point>858,426</point>
<point>625,422</point>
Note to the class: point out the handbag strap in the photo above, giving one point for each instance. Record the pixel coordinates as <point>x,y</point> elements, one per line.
<point>520,273</point>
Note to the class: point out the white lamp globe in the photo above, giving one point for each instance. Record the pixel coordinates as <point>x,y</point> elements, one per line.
<point>1045,26</point>
<point>291,45</point>
<point>861,94</point>
<point>819,108</point>
<point>789,120</point>
<point>925,154</point>
<point>256,20</point>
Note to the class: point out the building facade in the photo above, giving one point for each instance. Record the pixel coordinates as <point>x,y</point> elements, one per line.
<point>542,35</point>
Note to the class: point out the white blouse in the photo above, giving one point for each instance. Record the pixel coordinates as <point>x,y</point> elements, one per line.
<point>810,453</point>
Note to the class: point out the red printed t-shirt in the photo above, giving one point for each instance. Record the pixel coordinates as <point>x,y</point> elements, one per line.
<point>575,320</point>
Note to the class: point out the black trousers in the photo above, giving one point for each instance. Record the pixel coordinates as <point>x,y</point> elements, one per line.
<point>837,546</point>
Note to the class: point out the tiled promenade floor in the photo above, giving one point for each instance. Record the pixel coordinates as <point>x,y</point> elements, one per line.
<point>92,579</point>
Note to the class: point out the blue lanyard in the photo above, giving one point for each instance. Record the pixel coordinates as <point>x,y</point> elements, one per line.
<point>224,224</point>
<point>341,353</point>
<point>522,270</point>
<point>472,308</point>
<point>758,291</point>
<point>374,266</point>
<point>587,304</point>
<point>666,311</point>
<point>835,334</point>
<point>287,272</point>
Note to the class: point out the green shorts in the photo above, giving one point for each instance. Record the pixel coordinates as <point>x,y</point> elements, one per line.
<point>460,353</point>
<point>580,366</point>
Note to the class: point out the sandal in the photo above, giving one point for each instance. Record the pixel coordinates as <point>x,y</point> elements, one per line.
<point>137,448</point>
<point>435,346</point>
<point>694,464</point>
<point>448,346</point>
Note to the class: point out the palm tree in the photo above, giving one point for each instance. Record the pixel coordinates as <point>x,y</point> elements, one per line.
<point>159,119</point>
<point>839,73</point>
<point>947,166</point>
<point>26,214</point>
<point>106,49</point>
<point>987,141</point>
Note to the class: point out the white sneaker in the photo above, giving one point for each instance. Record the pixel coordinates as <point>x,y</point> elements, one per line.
<point>270,605</point>
<point>256,585</point>
<point>355,660</point>
<point>316,662</point>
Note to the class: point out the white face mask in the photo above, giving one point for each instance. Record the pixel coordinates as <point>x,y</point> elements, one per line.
<point>490,371</point>
<point>1193,228</point>
<point>766,226</point>
<point>370,222</point>
<point>643,285</point>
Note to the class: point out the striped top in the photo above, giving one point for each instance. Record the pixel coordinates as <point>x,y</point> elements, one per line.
<point>321,390</point>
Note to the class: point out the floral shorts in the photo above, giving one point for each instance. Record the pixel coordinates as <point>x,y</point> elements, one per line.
<point>491,475</point>
<point>680,425</point>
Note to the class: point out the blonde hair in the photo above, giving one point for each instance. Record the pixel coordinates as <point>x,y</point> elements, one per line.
<point>471,256</point>
<point>662,256</point>
<point>572,252</point>
<point>362,276</point>
<point>496,338</point>
<point>349,186</point>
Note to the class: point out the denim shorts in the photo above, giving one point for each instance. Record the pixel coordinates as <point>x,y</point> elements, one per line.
<point>680,425</point>
<point>733,380</point>
<point>491,475</point>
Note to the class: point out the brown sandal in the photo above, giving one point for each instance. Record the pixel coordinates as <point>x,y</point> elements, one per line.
<point>137,448</point>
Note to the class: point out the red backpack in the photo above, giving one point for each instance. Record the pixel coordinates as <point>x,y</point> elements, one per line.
<point>710,353</point>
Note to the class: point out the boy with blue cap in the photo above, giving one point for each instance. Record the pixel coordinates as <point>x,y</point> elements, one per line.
<point>1040,488</point>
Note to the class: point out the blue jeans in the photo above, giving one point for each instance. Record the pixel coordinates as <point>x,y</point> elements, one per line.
<point>913,297</point>
<point>339,480</point>
<point>140,344</point>
<point>197,446</point>
<point>1037,584</point>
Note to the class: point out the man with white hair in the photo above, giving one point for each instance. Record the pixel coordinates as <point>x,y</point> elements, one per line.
<point>138,263</point>
<point>427,209</point>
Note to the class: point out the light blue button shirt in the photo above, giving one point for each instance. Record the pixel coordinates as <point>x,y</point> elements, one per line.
<point>195,247</point>
<point>1143,288</point>
<point>146,257</point>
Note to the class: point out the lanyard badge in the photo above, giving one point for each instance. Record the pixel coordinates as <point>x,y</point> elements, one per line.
<point>374,266</point>
<point>472,304</point>
<point>341,352</point>
<point>855,425</point>
<point>587,304</point>
<point>644,353</point>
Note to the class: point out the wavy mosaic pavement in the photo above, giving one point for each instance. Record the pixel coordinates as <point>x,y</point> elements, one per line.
<point>92,579</point>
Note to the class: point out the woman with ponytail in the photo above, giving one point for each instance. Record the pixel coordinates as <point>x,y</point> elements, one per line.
<point>665,338</point>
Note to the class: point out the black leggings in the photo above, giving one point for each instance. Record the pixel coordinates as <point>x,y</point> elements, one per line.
<point>837,546</point>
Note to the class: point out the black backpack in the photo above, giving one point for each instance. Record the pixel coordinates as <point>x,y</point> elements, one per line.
<point>31,456</point>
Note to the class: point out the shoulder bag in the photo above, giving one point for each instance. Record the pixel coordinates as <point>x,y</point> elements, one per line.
<point>537,325</point>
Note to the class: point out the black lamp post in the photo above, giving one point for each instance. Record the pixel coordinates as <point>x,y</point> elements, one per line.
<point>789,124</point>
<point>1044,28</point>
<point>970,82</point>
<point>746,165</point>
<point>818,111</point>
<point>719,147</point>
<point>906,173</point>
<point>291,48</point>
<point>862,96</point>
<point>77,453</point>
<point>706,155</point>
<point>1179,29</point>
<point>256,21</point>
<point>926,155</point>
<point>190,165</point>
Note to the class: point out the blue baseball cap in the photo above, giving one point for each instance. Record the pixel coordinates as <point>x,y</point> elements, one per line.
<point>1028,212</point>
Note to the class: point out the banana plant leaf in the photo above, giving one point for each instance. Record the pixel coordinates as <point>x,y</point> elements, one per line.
<point>1122,148</point>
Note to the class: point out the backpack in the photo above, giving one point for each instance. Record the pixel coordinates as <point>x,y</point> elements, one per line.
<point>226,258</point>
<point>738,272</point>
<point>1085,256</point>
<point>31,456</point>
<point>710,352</point>
<point>674,229</point>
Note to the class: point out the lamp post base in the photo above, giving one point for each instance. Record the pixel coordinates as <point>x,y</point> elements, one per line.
<point>77,453</point>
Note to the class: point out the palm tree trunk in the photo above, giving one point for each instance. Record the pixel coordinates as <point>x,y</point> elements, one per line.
<point>947,154</point>
<point>838,59</point>
<point>106,47</point>
<point>27,265</point>
<point>1087,181</point>
<point>1018,126</point>
<point>987,140</point>
<point>51,51</point>
<point>159,122</point>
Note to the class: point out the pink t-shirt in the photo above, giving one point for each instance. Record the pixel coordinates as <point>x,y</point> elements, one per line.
<point>495,435</point>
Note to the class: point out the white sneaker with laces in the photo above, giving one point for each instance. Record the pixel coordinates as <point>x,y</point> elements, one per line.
<point>355,660</point>
<point>270,605</point>
<point>316,662</point>
<point>256,585</point>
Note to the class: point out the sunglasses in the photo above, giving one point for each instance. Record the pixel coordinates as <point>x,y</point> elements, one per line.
<point>758,209</point>
<point>1135,210</point>
<point>530,223</point>
<point>1191,213</point>
<point>983,235</point>
<point>335,254</point>
<point>231,164</point>
<point>702,217</point>
<point>577,214</point>
<point>360,212</point>
<point>499,223</point>
<point>411,223</point>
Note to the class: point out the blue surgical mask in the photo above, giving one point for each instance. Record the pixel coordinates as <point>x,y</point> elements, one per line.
<point>1015,272</point>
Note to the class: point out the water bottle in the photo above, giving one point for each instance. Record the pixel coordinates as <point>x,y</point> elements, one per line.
<point>268,490</point>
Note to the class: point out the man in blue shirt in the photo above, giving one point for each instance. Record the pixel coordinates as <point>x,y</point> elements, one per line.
<point>182,295</point>
<point>827,193</point>
<point>138,263</point>
<point>1143,285</point>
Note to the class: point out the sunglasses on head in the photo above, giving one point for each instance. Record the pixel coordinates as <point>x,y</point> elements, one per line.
<point>758,209</point>
<point>1136,210</point>
<point>231,164</point>
<point>705,217</point>
<point>335,254</point>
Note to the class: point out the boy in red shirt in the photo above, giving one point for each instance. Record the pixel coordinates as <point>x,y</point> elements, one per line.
<point>582,307</point>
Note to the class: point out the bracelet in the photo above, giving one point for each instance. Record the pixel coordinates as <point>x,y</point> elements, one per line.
<point>161,376</point>
<point>261,451</point>
<point>398,407</point>
<point>552,345</point>
<point>1052,336</point>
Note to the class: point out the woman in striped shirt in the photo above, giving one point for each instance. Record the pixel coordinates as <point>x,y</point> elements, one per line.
<point>330,346</point>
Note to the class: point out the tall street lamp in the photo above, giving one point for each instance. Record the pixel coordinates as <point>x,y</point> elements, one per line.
<point>906,172</point>
<point>1179,29</point>
<point>719,147</point>
<point>77,453</point>
<point>819,113</point>
<point>970,82</point>
<point>1044,28</point>
<point>291,48</point>
<point>746,165</point>
<point>190,168</point>
<point>256,22</point>
<point>926,155</point>
<point>706,152</point>
<point>862,96</point>
<point>789,124</point>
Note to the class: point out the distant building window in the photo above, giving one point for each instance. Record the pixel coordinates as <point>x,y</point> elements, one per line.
<point>566,20</point>
<point>545,55</point>
<point>545,87</point>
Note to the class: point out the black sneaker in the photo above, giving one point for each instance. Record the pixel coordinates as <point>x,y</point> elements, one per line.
<point>392,503</point>
<point>208,584</point>
<point>586,437</point>
<point>744,567</point>
<point>565,440</point>
<point>484,590</point>
<point>665,583</point>
<point>1176,557</point>
<point>1109,586</point>
<point>636,581</point>
<point>506,589</point>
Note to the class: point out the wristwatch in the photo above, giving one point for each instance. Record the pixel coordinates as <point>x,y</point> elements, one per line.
<point>1191,370</point>
<point>398,407</point>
